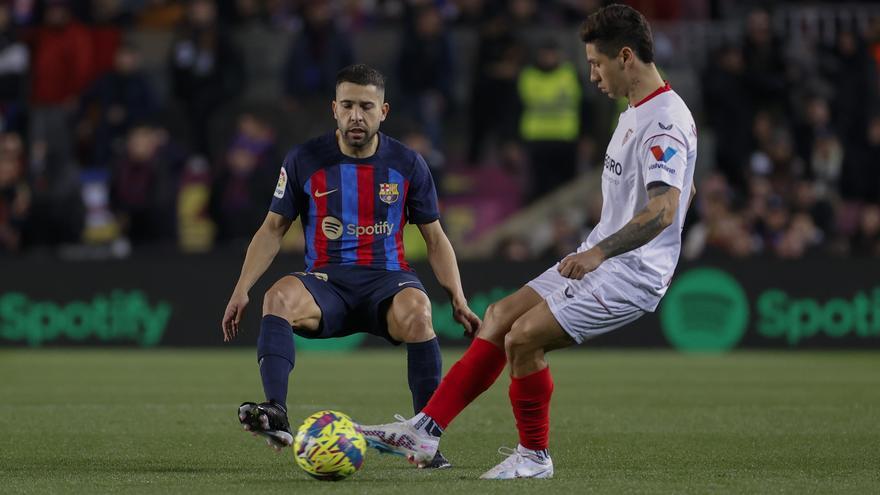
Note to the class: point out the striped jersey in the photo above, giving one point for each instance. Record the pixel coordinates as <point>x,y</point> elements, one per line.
<point>353,210</point>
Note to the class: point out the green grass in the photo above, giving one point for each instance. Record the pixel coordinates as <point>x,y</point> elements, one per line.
<point>98,421</point>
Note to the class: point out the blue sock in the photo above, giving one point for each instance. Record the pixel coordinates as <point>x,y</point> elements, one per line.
<point>424,368</point>
<point>276,356</point>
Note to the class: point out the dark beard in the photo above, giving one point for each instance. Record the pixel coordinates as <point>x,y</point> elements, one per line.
<point>368,138</point>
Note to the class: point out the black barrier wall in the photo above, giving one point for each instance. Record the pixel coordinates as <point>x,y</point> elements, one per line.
<point>179,300</point>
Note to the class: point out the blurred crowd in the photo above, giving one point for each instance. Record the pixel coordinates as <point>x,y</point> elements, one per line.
<point>797,153</point>
<point>94,152</point>
<point>794,141</point>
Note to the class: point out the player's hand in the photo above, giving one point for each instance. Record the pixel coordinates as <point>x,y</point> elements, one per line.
<point>577,265</point>
<point>466,318</point>
<point>232,315</point>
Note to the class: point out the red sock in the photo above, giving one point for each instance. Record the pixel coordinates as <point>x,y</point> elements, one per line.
<point>530,398</point>
<point>472,375</point>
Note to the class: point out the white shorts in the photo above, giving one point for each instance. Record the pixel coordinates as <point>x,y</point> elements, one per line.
<point>588,307</point>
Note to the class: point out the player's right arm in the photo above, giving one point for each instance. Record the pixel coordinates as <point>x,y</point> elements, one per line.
<point>260,253</point>
<point>644,226</point>
<point>663,163</point>
<point>265,244</point>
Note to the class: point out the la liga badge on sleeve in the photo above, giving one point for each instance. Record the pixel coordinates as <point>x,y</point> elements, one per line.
<point>282,184</point>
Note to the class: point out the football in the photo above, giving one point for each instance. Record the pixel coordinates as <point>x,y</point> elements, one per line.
<point>328,446</point>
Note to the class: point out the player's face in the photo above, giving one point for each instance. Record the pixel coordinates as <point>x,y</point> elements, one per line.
<point>606,72</point>
<point>358,111</point>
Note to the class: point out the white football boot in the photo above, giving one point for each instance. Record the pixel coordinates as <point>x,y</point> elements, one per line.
<point>403,439</point>
<point>520,463</point>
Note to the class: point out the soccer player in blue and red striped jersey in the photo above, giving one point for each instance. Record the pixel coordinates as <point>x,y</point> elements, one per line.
<point>354,189</point>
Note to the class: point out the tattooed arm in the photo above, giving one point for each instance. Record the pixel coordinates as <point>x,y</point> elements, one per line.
<point>645,225</point>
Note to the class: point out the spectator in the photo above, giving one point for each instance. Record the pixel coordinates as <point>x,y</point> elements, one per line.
<point>316,54</point>
<point>248,12</point>
<point>62,65</point>
<point>798,238</point>
<point>853,76</point>
<point>241,191</point>
<point>494,98</point>
<point>426,70</point>
<point>113,105</point>
<point>785,165</point>
<point>15,195</point>
<point>860,171</point>
<point>283,15</point>
<point>206,69</point>
<point>817,120</point>
<point>13,71</point>
<point>808,199</point>
<point>470,13</point>
<point>143,187</point>
<point>57,210</point>
<point>524,13</point>
<point>764,63</point>
<point>107,21</point>
<point>550,125</point>
<point>826,160</point>
<point>729,113</point>
<point>420,143</point>
<point>161,14</point>
<point>195,230</point>
<point>720,230</point>
<point>866,242</point>
<point>564,239</point>
<point>515,249</point>
<point>771,226</point>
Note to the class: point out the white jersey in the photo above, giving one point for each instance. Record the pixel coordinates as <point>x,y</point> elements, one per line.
<point>655,141</point>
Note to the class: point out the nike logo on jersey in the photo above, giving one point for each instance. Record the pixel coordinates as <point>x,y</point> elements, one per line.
<point>319,194</point>
<point>407,282</point>
<point>568,293</point>
<point>664,127</point>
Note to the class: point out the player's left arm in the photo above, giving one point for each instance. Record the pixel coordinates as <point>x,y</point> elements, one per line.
<point>647,224</point>
<point>445,267</point>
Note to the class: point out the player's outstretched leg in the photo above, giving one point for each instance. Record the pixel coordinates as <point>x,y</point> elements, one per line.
<point>424,369</point>
<point>403,438</point>
<point>472,375</point>
<point>269,420</point>
<point>409,320</point>
<point>417,438</point>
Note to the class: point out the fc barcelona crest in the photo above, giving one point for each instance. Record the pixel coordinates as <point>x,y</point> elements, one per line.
<point>388,193</point>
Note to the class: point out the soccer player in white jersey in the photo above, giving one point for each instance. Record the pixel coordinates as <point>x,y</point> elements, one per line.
<point>618,274</point>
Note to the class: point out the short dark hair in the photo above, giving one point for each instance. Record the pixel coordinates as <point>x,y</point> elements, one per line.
<point>362,75</point>
<point>615,26</point>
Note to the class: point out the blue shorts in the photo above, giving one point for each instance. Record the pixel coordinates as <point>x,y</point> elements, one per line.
<point>354,299</point>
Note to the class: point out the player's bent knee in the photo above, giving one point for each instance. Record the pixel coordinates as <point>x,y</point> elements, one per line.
<point>519,340</point>
<point>415,326</point>
<point>494,313</point>
<point>277,302</point>
<point>287,301</point>
<point>494,327</point>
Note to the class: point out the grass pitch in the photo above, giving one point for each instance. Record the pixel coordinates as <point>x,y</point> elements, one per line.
<point>98,421</point>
